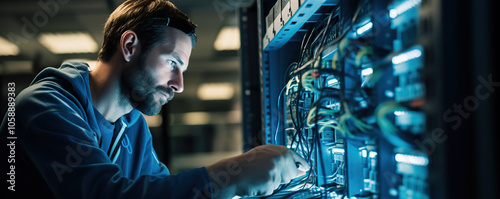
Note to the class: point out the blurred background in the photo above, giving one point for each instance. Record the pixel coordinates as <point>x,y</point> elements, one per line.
<point>200,126</point>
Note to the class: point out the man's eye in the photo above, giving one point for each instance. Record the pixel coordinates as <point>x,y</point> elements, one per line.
<point>172,64</point>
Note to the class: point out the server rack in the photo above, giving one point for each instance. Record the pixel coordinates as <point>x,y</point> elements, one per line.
<point>369,94</point>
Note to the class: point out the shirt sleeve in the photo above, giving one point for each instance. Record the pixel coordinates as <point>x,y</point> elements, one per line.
<point>60,145</point>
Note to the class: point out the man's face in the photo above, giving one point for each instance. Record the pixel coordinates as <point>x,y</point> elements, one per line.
<point>150,82</point>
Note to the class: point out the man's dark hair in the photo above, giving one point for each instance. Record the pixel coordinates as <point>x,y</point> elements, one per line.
<point>148,19</point>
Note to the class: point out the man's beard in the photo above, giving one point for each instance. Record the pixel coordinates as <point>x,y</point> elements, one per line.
<point>137,86</point>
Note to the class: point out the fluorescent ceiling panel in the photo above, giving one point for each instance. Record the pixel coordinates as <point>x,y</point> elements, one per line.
<point>153,121</point>
<point>196,118</point>
<point>228,39</point>
<point>8,48</point>
<point>68,43</point>
<point>215,91</point>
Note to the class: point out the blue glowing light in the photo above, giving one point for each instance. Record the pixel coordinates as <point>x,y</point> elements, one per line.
<point>366,72</point>
<point>406,56</point>
<point>399,113</point>
<point>365,28</point>
<point>411,159</point>
<point>332,82</point>
<point>403,7</point>
<point>338,150</point>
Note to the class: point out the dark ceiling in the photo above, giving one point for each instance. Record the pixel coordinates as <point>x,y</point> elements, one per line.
<point>23,20</point>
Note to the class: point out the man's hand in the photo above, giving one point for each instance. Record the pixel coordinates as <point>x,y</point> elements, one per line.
<point>257,172</point>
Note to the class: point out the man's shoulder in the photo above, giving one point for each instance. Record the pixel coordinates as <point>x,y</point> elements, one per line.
<point>69,73</point>
<point>63,87</point>
<point>46,96</point>
<point>135,119</point>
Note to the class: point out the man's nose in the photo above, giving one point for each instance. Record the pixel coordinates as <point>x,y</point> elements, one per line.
<point>176,82</point>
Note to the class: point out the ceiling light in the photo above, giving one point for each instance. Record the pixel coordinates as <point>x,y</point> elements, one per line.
<point>8,48</point>
<point>153,121</point>
<point>17,67</point>
<point>215,91</point>
<point>228,39</point>
<point>234,116</point>
<point>68,43</point>
<point>196,118</point>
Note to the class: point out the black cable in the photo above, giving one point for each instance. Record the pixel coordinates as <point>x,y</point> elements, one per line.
<point>301,134</point>
<point>338,39</point>
<point>327,28</point>
<point>344,33</point>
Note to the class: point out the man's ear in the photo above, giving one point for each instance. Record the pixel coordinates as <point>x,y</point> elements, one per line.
<point>129,45</point>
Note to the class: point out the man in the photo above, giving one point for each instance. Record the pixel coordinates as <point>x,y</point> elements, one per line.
<point>71,123</point>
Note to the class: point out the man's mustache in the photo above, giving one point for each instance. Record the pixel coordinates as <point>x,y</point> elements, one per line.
<point>168,91</point>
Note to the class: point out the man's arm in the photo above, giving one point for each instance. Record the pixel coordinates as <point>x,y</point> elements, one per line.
<point>257,172</point>
<point>59,143</point>
<point>74,167</point>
